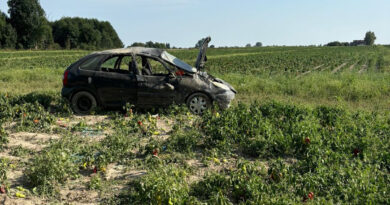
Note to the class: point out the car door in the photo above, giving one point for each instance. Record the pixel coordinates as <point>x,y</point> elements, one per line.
<point>114,85</point>
<point>157,88</point>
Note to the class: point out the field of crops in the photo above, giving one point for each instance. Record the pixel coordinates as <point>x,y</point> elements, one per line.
<point>309,125</point>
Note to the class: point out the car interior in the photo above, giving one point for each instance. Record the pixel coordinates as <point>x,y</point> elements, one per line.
<point>143,65</point>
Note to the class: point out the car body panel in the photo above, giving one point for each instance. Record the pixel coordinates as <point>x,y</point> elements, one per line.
<point>114,87</point>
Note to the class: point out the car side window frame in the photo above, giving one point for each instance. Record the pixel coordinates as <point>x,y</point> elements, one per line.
<point>134,70</point>
<point>97,66</point>
<point>108,57</point>
<point>118,63</point>
<point>170,72</point>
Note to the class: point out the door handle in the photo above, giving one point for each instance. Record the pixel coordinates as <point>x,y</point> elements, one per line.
<point>89,80</point>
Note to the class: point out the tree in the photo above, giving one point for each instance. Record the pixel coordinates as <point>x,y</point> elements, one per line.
<point>85,33</point>
<point>258,44</point>
<point>28,19</point>
<point>337,43</point>
<point>370,38</point>
<point>151,44</point>
<point>248,45</point>
<point>8,35</point>
<point>137,44</point>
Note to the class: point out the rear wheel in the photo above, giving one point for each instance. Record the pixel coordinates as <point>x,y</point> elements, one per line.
<point>198,103</point>
<point>83,103</point>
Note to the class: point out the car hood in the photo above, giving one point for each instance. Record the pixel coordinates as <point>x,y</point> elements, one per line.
<point>177,62</point>
<point>201,60</point>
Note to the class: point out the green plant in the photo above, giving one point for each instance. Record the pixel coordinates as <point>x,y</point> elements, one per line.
<point>3,137</point>
<point>95,183</point>
<point>166,185</point>
<point>51,168</point>
<point>3,170</point>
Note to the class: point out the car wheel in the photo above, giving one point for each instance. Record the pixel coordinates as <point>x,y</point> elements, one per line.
<point>83,103</point>
<point>198,103</point>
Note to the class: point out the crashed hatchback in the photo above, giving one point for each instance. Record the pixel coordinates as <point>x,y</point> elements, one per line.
<point>144,77</point>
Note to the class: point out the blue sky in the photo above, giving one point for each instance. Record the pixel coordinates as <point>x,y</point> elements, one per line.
<point>232,22</point>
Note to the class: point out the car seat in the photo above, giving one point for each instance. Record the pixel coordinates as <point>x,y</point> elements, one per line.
<point>146,71</point>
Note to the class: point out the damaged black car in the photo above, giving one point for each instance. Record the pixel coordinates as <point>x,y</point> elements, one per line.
<point>144,77</point>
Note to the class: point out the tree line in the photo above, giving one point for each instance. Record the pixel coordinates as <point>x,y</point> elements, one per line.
<point>27,27</point>
<point>369,40</point>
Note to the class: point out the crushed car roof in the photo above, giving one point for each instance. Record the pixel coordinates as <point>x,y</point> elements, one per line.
<point>154,52</point>
<point>135,50</point>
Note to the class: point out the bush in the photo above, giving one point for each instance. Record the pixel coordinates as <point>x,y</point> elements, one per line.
<point>3,137</point>
<point>166,185</point>
<point>54,166</point>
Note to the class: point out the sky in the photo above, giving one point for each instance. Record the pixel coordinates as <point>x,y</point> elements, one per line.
<point>232,22</point>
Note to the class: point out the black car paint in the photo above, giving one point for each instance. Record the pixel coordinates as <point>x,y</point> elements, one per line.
<point>115,89</point>
<point>112,89</point>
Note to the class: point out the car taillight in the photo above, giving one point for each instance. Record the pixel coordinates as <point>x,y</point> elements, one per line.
<point>65,78</point>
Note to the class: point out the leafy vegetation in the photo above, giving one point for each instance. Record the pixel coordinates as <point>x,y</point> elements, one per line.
<point>27,27</point>
<point>273,151</point>
<point>81,33</point>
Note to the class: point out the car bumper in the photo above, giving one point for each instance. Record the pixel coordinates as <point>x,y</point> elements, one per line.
<point>224,99</point>
<point>66,92</point>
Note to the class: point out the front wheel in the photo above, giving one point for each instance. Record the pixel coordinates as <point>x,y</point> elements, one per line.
<point>83,103</point>
<point>198,103</point>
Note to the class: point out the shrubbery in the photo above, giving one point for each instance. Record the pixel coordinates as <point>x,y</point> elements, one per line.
<point>276,153</point>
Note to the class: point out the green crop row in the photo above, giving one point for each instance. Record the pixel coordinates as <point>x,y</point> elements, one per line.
<point>233,60</point>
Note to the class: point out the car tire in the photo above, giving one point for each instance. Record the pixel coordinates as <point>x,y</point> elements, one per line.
<point>198,103</point>
<point>83,103</point>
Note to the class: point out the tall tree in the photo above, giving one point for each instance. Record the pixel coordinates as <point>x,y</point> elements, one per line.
<point>370,38</point>
<point>258,44</point>
<point>28,19</point>
<point>7,33</point>
<point>85,34</point>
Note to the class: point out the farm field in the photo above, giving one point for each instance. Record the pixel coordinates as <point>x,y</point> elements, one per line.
<point>355,77</point>
<point>309,125</point>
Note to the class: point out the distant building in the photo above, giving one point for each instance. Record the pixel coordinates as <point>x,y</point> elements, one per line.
<point>357,43</point>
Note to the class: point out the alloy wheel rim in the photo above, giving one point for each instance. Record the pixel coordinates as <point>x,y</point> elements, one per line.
<point>198,104</point>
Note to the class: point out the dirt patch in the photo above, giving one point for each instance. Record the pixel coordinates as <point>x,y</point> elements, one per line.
<point>318,67</point>
<point>214,165</point>
<point>15,178</point>
<point>32,141</point>
<point>338,68</point>
<point>309,71</point>
<point>7,200</point>
<point>115,172</point>
<point>89,120</point>
<point>352,67</point>
<point>363,68</point>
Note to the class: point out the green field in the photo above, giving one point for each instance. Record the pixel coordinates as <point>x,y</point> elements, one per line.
<point>309,124</point>
<point>355,77</point>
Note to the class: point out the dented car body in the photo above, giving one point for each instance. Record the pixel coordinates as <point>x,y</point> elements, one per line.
<point>145,77</point>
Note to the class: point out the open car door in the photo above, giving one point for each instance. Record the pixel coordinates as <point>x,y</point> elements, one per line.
<point>201,60</point>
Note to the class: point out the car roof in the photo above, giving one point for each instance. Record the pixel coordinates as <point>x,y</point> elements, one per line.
<point>156,52</point>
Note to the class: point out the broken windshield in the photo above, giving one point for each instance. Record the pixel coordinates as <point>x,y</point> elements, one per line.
<point>177,62</point>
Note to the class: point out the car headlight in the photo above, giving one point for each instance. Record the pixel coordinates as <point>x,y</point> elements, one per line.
<point>220,85</point>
